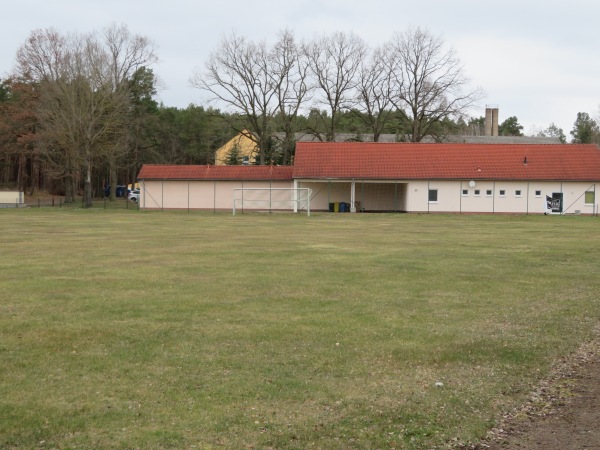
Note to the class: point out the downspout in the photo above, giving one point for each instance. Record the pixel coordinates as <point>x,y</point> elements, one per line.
<point>353,196</point>
<point>270,196</point>
<point>295,196</point>
<point>460,198</point>
<point>428,196</point>
<point>362,196</point>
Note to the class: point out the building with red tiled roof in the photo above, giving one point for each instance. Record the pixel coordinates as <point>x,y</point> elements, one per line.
<point>416,161</point>
<point>451,177</point>
<point>214,187</point>
<point>403,177</point>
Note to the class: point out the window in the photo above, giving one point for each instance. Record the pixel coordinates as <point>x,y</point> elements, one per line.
<point>488,192</point>
<point>465,192</point>
<point>502,193</point>
<point>433,195</point>
<point>538,193</point>
<point>518,193</point>
<point>477,192</point>
<point>590,197</point>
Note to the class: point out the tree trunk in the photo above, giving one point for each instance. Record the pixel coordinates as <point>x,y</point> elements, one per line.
<point>112,179</point>
<point>69,187</point>
<point>22,175</point>
<point>87,186</point>
<point>35,175</point>
<point>376,134</point>
<point>262,147</point>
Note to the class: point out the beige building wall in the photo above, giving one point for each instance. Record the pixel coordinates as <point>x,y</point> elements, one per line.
<point>410,196</point>
<point>11,197</point>
<point>379,195</point>
<point>325,192</point>
<point>204,194</point>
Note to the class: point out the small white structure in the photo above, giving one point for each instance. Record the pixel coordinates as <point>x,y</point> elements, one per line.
<point>11,199</point>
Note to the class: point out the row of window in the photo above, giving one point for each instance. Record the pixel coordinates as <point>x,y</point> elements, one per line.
<point>501,193</point>
<point>590,196</point>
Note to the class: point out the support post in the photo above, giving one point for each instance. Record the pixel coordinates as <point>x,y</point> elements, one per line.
<point>353,196</point>
<point>295,196</point>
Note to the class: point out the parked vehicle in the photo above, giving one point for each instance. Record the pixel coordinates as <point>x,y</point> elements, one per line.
<point>121,191</point>
<point>134,195</point>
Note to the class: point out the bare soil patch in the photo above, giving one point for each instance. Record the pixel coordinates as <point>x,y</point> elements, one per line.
<point>563,413</point>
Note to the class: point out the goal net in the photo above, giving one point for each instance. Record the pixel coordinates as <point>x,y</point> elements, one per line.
<point>271,200</point>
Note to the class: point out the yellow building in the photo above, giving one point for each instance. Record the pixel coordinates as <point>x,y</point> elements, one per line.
<point>245,146</point>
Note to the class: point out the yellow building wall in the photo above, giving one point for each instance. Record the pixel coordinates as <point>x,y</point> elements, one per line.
<point>246,145</point>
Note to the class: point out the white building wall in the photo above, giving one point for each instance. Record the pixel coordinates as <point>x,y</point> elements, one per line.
<point>520,197</point>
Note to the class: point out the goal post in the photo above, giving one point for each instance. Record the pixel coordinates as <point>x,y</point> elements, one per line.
<point>271,199</point>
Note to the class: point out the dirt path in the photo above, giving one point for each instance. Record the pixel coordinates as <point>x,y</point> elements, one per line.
<point>563,413</point>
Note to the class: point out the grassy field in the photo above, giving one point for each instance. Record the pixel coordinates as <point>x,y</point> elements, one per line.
<point>127,329</point>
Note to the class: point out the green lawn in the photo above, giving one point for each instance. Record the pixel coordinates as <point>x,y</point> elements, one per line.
<point>128,329</point>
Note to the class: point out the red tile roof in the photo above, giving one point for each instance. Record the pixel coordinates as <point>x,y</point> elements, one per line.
<point>408,161</point>
<point>242,173</point>
<point>568,162</point>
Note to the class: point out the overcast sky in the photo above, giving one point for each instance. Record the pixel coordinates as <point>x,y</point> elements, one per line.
<point>538,60</point>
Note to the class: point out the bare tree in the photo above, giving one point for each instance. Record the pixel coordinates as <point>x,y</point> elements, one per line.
<point>41,61</point>
<point>238,75</point>
<point>374,92</point>
<point>127,54</point>
<point>80,111</point>
<point>290,73</point>
<point>84,99</point>
<point>335,61</point>
<point>430,84</point>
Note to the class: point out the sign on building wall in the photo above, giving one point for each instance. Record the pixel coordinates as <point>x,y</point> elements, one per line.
<point>555,203</point>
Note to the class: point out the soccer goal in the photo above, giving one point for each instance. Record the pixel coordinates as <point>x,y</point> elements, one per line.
<point>271,200</point>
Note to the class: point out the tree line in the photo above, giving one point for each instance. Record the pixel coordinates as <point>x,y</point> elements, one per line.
<point>79,112</point>
<point>412,85</point>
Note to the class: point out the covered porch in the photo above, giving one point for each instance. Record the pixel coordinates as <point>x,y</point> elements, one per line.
<point>360,195</point>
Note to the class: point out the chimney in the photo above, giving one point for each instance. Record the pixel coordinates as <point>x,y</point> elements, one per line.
<point>491,120</point>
